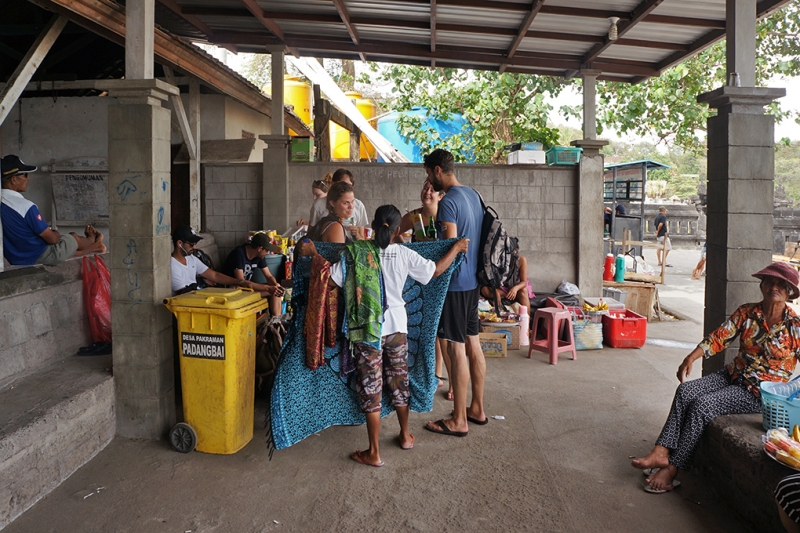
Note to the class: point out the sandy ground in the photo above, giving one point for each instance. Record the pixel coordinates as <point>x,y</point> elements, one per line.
<point>558,462</point>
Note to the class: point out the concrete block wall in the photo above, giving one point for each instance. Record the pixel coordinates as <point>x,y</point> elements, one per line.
<point>232,203</point>
<point>537,204</point>
<point>43,318</point>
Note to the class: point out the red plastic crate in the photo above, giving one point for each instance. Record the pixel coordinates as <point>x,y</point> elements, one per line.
<point>624,330</point>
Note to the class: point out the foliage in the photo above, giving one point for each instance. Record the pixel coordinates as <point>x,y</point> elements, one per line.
<point>500,108</point>
<point>666,106</point>
<point>787,172</point>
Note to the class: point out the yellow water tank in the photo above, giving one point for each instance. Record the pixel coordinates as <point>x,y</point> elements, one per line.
<point>296,93</point>
<point>340,137</point>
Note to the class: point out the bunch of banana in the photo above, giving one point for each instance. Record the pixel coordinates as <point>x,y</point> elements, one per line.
<point>601,306</point>
<point>796,433</point>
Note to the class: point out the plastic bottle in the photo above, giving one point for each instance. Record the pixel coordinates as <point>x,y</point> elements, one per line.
<point>619,266</point>
<point>524,326</point>
<point>608,268</point>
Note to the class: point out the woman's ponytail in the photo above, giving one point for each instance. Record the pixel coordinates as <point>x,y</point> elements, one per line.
<point>386,221</point>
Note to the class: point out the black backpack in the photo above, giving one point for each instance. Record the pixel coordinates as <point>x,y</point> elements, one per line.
<point>498,251</point>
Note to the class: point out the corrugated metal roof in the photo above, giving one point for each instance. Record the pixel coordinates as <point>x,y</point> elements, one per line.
<point>572,33</point>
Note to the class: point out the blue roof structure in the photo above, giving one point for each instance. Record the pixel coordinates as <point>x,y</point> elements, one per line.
<point>632,164</point>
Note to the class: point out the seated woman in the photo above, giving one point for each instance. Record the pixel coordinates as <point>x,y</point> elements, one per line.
<point>340,207</point>
<point>430,208</point>
<point>518,287</point>
<point>769,344</point>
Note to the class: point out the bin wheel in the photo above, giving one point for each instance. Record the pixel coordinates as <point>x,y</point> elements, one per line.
<point>183,437</point>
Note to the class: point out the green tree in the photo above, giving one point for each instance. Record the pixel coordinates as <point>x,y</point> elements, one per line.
<point>666,106</point>
<point>499,108</point>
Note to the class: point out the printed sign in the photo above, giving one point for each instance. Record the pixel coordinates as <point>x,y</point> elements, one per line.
<point>203,346</point>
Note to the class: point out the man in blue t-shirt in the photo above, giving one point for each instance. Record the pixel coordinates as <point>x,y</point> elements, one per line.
<point>460,215</point>
<point>27,238</point>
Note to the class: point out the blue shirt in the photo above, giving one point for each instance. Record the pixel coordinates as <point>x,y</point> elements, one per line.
<point>462,206</point>
<point>22,225</point>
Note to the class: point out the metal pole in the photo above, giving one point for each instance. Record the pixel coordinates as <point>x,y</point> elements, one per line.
<point>644,195</point>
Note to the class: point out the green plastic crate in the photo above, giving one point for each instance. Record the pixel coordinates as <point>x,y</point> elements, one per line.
<point>302,149</point>
<point>563,155</point>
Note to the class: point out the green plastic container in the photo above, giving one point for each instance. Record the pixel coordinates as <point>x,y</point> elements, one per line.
<point>563,155</point>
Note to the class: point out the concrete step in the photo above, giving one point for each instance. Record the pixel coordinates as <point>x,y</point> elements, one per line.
<point>51,423</point>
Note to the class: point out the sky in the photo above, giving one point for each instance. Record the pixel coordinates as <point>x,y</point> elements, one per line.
<point>572,97</point>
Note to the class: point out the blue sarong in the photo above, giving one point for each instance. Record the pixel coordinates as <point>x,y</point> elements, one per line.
<point>307,401</point>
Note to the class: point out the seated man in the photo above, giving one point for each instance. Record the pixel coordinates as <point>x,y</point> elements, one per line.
<point>186,267</point>
<point>246,260</point>
<point>27,238</point>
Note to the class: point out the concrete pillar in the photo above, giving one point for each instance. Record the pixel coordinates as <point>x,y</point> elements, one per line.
<point>140,246</point>
<point>276,182</point>
<point>740,193</point>
<point>276,155</point>
<point>139,39</point>
<point>195,210</point>
<point>590,103</point>
<point>740,27</point>
<point>277,92</point>
<point>590,217</point>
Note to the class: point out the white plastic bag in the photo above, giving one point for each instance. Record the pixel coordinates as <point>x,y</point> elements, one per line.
<point>568,288</point>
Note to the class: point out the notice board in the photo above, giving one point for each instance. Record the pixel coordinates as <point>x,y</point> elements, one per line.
<point>80,194</point>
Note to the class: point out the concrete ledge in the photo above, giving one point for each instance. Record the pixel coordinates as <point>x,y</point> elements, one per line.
<point>51,424</point>
<point>731,458</point>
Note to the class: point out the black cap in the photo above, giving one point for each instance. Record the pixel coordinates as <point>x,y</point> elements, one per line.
<point>185,234</point>
<point>13,165</point>
<point>262,240</point>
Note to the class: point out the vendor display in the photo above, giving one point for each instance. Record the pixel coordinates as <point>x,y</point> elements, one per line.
<point>783,447</point>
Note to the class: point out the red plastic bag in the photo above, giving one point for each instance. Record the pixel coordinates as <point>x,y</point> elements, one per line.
<point>97,298</point>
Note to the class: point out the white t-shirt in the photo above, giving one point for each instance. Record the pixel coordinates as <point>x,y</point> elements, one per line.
<point>397,263</point>
<point>319,210</point>
<point>185,275</point>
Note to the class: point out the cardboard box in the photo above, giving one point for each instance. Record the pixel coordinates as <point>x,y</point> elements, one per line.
<point>302,149</point>
<point>509,329</point>
<point>493,344</point>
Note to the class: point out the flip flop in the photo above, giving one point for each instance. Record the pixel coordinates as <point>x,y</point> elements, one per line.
<point>444,430</point>
<point>651,490</point>
<point>356,456</point>
<point>478,422</point>
<point>647,472</point>
<point>409,446</point>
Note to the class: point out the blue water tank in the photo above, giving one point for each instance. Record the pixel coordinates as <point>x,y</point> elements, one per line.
<point>387,126</point>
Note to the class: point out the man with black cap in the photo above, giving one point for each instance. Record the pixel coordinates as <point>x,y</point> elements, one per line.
<point>247,260</point>
<point>186,267</point>
<point>27,238</point>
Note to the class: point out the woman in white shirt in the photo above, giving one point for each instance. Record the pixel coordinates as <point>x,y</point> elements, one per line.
<point>389,365</point>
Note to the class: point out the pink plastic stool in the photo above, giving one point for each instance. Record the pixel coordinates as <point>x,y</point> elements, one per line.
<point>553,320</point>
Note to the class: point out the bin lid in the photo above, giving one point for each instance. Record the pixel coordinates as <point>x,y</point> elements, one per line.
<point>216,298</point>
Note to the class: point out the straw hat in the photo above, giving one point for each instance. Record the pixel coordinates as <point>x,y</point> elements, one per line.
<point>784,272</point>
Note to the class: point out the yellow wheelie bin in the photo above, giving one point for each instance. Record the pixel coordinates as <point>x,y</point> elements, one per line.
<point>217,345</point>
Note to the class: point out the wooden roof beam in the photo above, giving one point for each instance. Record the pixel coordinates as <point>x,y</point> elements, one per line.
<point>267,22</point>
<point>351,29</point>
<point>433,31</point>
<point>522,32</point>
<point>173,6</point>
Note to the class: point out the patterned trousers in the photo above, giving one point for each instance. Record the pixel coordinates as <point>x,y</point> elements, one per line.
<point>374,367</point>
<point>696,404</point>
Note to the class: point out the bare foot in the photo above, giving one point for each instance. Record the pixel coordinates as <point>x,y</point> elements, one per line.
<point>449,396</point>
<point>407,443</point>
<point>97,248</point>
<point>366,458</point>
<point>662,480</point>
<point>657,458</point>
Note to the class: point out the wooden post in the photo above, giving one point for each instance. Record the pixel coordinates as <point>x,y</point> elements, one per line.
<point>195,205</point>
<point>355,144</point>
<point>322,116</point>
